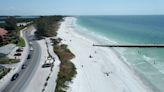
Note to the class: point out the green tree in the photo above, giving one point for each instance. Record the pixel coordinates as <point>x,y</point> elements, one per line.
<point>48,25</point>
<point>11,23</point>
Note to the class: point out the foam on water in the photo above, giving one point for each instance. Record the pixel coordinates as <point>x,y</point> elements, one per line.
<point>147,63</point>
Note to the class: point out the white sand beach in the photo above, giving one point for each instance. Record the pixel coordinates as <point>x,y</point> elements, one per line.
<point>103,71</point>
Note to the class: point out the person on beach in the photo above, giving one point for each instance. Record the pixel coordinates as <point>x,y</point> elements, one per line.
<point>90,56</point>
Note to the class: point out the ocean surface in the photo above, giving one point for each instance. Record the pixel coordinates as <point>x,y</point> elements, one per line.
<point>148,63</point>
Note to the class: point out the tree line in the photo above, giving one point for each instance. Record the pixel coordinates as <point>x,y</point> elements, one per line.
<point>47,25</point>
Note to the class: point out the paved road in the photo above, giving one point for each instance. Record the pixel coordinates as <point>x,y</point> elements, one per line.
<point>25,75</point>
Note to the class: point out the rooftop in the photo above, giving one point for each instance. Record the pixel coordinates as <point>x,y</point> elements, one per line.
<point>3,32</point>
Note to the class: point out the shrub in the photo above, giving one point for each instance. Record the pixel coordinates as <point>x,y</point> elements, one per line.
<point>63,52</point>
<point>3,72</point>
<point>67,68</point>
<point>21,42</point>
<point>8,61</point>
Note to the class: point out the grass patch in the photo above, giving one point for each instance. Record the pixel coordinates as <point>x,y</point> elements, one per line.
<point>8,61</point>
<point>2,55</point>
<point>21,42</point>
<point>67,68</point>
<point>3,72</point>
<point>21,27</point>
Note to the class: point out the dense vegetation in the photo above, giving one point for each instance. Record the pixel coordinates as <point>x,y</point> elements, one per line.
<point>25,19</point>
<point>11,23</point>
<point>67,68</point>
<point>2,25</point>
<point>8,61</point>
<point>3,72</point>
<point>21,42</point>
<point>63,52</point>
<point>13,35</point>
<point>2,55</point>
<point>5,60</point>
<point>47,25</point>
<point>65,75</point>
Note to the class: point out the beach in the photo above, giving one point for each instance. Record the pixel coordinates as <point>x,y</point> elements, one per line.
<point>98,69</point>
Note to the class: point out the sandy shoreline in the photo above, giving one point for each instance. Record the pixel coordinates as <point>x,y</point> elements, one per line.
<point>103,72</point>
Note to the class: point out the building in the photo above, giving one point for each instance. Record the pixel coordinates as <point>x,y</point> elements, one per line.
<point>23,24</point>
<point>3,33</point>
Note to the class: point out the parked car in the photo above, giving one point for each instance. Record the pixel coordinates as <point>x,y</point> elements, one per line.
<point>29,56</point>
<point>46,65</point>
<point>24,66</point>
<point>15,76</point>
<point>17,54</point>
<point>19,50</point>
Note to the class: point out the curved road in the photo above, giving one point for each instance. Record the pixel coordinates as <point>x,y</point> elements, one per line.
<point>25,75</point>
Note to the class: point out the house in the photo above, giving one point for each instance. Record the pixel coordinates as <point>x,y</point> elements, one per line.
<point>23,24</point>
<point>3,33</point>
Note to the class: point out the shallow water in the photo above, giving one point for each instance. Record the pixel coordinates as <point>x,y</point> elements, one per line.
<point>147,62</point>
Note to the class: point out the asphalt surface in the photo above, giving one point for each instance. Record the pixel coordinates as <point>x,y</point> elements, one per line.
<point>25,75</point>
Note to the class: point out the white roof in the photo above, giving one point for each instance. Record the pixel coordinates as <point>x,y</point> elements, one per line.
<point>7,48</point>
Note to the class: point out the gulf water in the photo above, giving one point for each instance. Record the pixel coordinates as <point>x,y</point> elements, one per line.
<point>147,63</point>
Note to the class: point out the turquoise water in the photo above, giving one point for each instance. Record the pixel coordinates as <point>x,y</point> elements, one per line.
<point>148,63</point>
